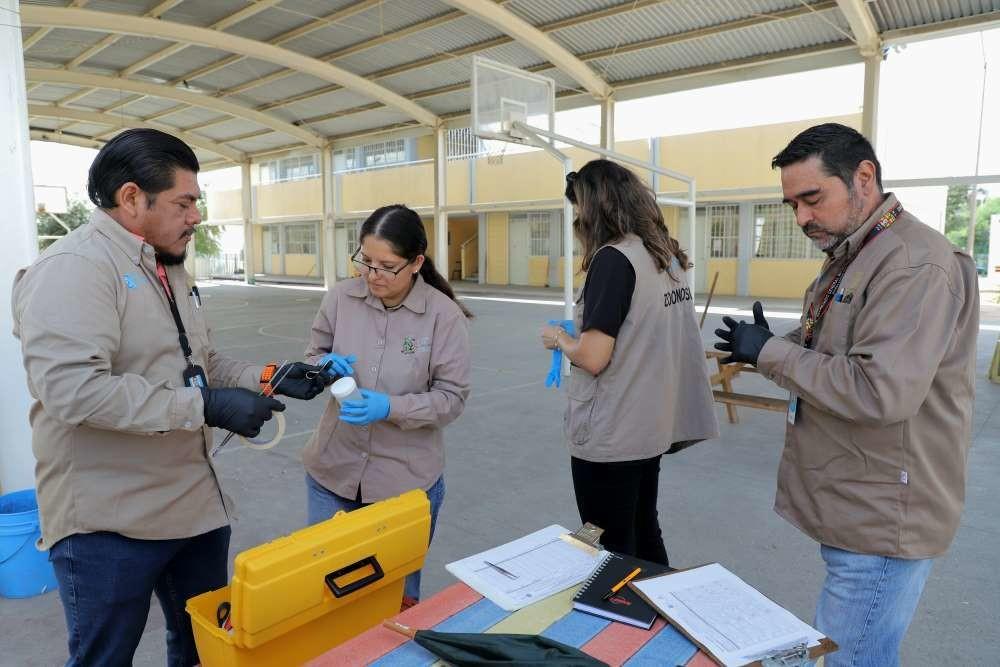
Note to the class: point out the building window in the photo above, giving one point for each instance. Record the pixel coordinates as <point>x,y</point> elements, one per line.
<point>378,154</point>
<point>290,169</point>
<point>724,230</point>
<point>776,236</point>
<point>538,231</point>
<point>352,240</point>
<point>301,239</point>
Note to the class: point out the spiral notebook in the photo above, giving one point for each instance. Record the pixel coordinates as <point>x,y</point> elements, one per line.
<point>625,606</point>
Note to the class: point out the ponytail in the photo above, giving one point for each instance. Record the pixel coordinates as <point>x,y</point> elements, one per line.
<point>431,276</point>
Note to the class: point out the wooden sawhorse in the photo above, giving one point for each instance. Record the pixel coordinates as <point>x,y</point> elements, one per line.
<point>724,378</point>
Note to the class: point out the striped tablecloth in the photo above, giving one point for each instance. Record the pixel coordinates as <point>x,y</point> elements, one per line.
<point>458,608</point>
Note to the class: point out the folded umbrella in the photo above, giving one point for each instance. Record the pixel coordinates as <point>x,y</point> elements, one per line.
<point>471,649</point>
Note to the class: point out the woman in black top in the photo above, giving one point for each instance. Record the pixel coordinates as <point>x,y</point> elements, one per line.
<point>629,404</point>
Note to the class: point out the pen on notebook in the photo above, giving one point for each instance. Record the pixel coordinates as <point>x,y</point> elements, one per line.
<point>617,587</point>
<point>501,570</point>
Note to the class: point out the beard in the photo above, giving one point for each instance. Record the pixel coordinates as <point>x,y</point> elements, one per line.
<point>855,219</point>
<point>170,259</point>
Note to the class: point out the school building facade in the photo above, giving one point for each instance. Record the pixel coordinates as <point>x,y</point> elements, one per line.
<point>505,211</point>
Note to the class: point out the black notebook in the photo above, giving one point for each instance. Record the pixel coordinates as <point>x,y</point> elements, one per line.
<point>625,606</point>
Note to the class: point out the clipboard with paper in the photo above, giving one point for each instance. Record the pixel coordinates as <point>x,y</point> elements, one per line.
<point>730,620</point>
<point>529,569</point>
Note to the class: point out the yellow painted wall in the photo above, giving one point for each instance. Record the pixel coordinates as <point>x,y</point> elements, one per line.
<point>225,204</point>
<point>737,158</point>
<point>412,185</point>
<point>496,248</point>
<point>578,276</point>
<point>258,247</point>
<point>787,278</point>
<point>426,147</point>
<point>291,198</point>
<point>302,265</point>
<point>538,271</point>
<point>729,270</point>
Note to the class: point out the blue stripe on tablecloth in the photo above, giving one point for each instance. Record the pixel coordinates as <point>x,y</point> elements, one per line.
<point>667,649</point>
<point>477,617</point>
<point>576,628</point>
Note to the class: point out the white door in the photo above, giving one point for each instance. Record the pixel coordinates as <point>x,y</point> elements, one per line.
<point>519,235</point>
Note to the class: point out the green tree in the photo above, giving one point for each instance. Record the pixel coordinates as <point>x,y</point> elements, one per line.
<point>77,213</point>
<point>956,226</point>
<point>206,238</point>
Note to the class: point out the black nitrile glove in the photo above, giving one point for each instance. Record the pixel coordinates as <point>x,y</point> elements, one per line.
<point>303,381</point>
<point>238,410</point>
<point>744,341</point>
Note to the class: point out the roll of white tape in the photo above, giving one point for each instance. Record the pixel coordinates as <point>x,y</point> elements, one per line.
<point>280,424</point>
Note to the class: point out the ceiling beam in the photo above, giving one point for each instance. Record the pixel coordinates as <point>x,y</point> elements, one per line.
<point>84,19</point>
<point>537,41</point>
<point>862,23</point>
<point>40,34</point>
<point>227,22</point>
<point>156,12</point>
<point>55,136</point>
<point>579,19</point>
<point>677,38</point>
<point>288,36</point>
<point>42,75</point>
<point>118,121</point>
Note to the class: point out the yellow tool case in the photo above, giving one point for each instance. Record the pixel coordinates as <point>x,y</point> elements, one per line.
<point>294,598</point>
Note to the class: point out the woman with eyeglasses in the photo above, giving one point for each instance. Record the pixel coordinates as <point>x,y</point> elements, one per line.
<point>638,384</point>
<point>400,332</point>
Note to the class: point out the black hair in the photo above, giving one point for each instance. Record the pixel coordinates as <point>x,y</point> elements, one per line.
<point>402,229</point>
<point>839,148</point>
<point>143,156</point>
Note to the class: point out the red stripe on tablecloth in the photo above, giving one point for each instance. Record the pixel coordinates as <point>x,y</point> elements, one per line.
<point>618,642</point>
<point>701,660</point>
<point>376,642</point>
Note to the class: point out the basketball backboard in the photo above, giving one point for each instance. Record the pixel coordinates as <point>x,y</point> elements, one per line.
<point>502,95</point>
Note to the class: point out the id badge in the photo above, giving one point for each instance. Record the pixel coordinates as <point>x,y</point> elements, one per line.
<point>194,376</point>
<point>793,407</point>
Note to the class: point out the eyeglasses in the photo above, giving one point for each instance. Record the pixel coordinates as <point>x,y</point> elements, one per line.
<point>390,273</point>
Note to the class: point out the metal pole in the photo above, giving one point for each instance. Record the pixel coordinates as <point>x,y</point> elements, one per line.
<point>567,258</point>
<point>970,243</point>
<point>692,218</point>
<point>440,201</point>
<point>20,247</point>
<point>329,246</point>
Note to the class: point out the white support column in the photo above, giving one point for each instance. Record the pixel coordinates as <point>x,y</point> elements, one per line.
<point>608,123</point>
<point>692,220</point>
<point>20,246</point>
<point>249,270</point>
<point>568,268</point>
<point>329,244</point>
<point>869,110</point>
<point>483,238</point>
<point>440,202</point>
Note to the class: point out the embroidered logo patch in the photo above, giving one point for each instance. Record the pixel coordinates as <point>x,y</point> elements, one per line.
<point>129,280</point>
<point>409,345</point>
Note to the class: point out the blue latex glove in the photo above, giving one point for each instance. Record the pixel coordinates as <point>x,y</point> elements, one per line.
<point>555,370</point>
<point>341,365</point>
<point>374,408</point>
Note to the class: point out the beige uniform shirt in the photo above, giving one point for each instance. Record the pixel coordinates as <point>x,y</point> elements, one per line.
<point>654,392</point>
<point>120,441</point>
<point>875,461</point>
<point>417,354</point>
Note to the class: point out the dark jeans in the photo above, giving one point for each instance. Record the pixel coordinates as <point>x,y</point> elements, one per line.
<point>620,497</point>
<point>106,581</point>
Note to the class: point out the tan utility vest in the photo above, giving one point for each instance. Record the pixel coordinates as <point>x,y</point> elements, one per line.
<point>654,392</point>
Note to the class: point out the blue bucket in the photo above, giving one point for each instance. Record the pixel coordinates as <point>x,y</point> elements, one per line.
<point>24,570</point>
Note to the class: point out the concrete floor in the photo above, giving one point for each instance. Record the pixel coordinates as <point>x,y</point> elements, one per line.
<point>508,474</point>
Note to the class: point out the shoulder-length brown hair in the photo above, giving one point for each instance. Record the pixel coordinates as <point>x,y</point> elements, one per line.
<point>611,202</point>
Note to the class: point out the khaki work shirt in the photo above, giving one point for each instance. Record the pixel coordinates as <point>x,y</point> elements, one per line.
<point>417,354</point>
<point>654,392</point>
<point>875,461</point>
<point>120,442</point>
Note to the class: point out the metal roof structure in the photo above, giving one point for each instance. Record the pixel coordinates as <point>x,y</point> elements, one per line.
<point>241,78</point>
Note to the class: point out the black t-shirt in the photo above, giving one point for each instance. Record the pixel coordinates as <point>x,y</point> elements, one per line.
<point>607,294</point>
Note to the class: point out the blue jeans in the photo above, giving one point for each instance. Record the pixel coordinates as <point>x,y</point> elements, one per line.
<point>867,604</point>
<point>106,581</point>
<point>323,504</point>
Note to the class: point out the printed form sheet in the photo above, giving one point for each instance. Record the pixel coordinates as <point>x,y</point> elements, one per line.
<point>529,569</point>
<point>737,623</point>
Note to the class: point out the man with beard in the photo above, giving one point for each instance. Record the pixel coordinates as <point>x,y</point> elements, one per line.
<point>881,375</point>
<point>127,386</point>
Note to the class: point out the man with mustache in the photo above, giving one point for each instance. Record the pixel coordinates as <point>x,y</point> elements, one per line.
<point>127,386</point>
<point>881,376</point>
